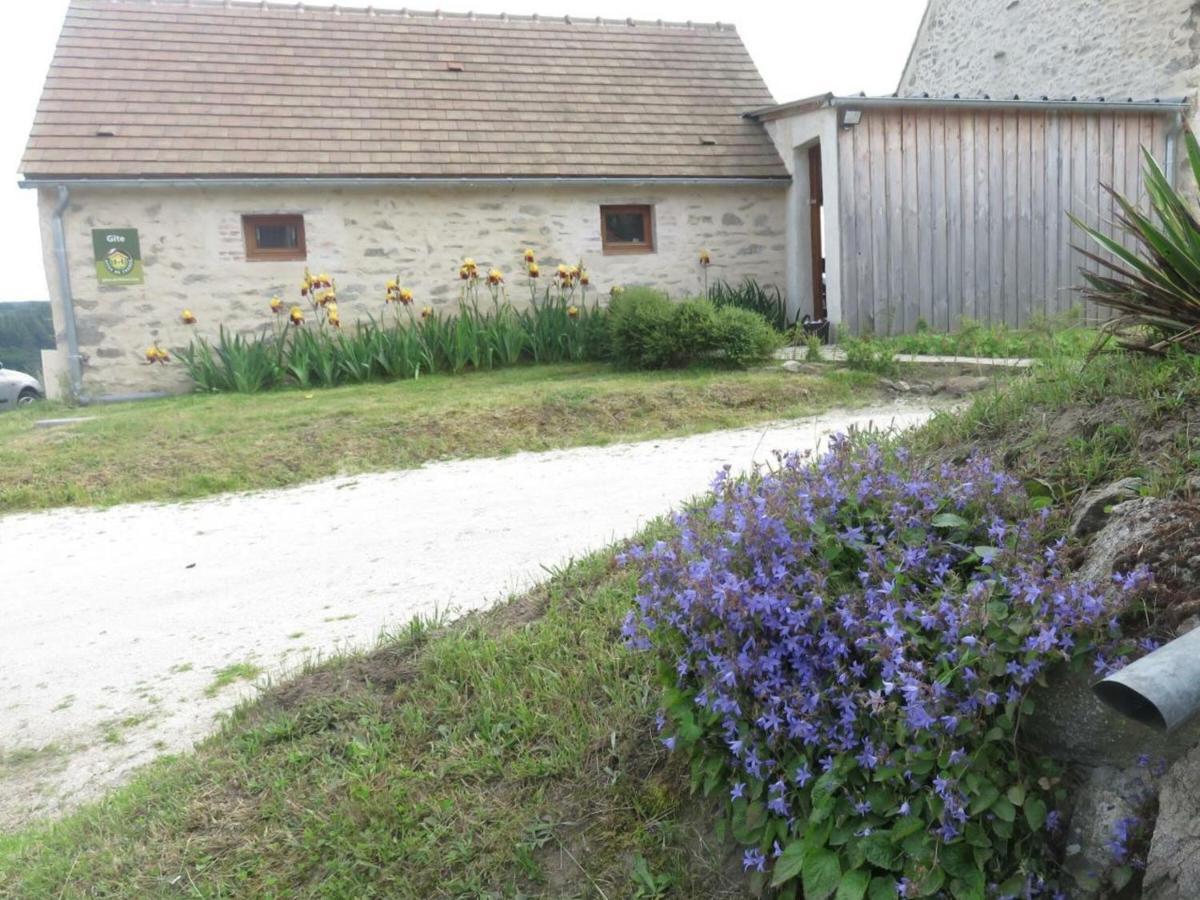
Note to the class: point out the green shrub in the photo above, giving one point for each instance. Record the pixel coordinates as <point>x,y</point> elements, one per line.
<point>766,300</point>
<point>868,355</point>
<point>648,331</point>
<point>641,328</point>
<point>743,337</point>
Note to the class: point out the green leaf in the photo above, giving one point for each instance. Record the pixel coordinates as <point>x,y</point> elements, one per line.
<point>789,864</point>
<point>878,850</point>
<point>988,794</point>
<point>853,885</point>
<point>957,860</point>
<point>1035,812</point>
<point>822,874</point>
<point>906,826</point>
<point>932,882</point>
<point>968,886</point>
<point>882,889</point>
<point>949,520</point>
<point>1016,794</point>
<point>1004,810</point>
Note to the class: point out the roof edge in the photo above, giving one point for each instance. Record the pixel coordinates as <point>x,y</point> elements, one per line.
<point>336,9</point>
<point>1153,105</point>
<point>336,181</point>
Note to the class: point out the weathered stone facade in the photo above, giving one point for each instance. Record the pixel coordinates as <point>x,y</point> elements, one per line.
<point>1056,48</point>
<point>194,256</point>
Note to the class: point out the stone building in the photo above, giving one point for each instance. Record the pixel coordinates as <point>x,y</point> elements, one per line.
<point>1057,48</point>
<point>199,154</point>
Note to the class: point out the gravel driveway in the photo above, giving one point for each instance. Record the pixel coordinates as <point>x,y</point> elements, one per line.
<point>116,623</point>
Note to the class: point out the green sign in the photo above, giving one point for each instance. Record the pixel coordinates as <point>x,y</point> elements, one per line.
<point>118,255</point>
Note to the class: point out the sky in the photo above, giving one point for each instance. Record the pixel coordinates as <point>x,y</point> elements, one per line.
<point>801,47</point>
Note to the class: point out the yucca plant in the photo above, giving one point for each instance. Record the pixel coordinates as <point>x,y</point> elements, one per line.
<point>1157,286</point>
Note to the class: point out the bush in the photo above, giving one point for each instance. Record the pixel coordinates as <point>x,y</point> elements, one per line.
<point>743,337</point>
<point>766,300</point>
<point>848,649</point>
<point>867,355</point>
<point>648,331</point>
<point>642,337</point>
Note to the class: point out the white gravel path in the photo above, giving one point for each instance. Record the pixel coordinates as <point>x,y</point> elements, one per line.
<point>114,622</point>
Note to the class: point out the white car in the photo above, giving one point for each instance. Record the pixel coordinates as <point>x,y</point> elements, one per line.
<point>17,388</point>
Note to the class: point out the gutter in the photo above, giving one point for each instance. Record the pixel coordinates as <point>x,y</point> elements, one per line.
<point>1170,162</point>
<point>1166,106</point>
<point>336,181</point>
<point>74,361</point>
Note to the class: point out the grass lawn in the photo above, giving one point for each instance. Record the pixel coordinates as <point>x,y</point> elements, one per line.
<point>193,446</point>
<point>513,753</point>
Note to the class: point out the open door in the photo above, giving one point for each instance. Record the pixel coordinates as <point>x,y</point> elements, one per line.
<point>816,231</point>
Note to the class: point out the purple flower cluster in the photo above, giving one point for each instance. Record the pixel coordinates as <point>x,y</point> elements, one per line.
<point>854,627</point>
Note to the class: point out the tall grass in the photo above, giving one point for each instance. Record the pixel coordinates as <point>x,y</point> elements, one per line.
<point>766,300</point>
<point>478,337</point>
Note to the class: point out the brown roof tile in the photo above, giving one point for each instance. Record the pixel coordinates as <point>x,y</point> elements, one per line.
<point>225,89</point>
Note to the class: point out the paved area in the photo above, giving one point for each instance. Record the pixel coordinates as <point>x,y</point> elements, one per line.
<point>837,354</point>
<point>118,623</point>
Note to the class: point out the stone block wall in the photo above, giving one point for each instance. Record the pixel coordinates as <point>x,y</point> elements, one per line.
<point>1057,48</point>
<point>194,256</point>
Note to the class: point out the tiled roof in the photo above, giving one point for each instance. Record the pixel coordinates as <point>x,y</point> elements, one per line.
<point>178,88</point>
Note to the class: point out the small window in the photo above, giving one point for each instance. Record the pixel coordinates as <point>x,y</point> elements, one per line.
<point>627,229</point>
<point>274,237</point>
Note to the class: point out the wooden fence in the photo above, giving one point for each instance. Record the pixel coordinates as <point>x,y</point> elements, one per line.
<point>949,214</point>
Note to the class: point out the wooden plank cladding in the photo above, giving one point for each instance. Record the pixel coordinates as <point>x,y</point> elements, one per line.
<point>951,213</point>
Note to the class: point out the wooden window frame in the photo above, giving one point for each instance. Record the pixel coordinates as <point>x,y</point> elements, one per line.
<point>254,253</point>
<point>613,247</point>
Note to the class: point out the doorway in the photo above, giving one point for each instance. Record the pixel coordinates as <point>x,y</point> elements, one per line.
<point>816,233</point>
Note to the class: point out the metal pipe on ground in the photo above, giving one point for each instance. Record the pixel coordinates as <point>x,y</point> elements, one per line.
<point>1162,689</point>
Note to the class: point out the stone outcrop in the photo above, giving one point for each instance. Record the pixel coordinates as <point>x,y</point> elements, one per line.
<point>1173,867</point>
<point>1107,797</point>
<point>1092,509</point>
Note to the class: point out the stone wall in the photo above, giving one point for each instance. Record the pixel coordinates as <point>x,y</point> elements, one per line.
<point>1059,48</point>
<point>194,257</point>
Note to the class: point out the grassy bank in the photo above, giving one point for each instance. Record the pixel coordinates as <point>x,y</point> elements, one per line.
<point>513,753</point>
<point>194,446</point>
<point>1074,426</point>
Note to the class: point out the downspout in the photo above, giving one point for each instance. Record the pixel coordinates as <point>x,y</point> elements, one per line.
<point>74,361</point>
<point>1172,148</point>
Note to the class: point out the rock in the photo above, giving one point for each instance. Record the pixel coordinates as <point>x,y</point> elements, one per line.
<point>1107,796</point>
<point>923,387</point>
<point>961,385</point>
<point>1070,725</point>
<point>900,387</point>
<point>803,368</point>
<point>1173,867</point>
<point>1091,509</point>
<point>1129,525</point>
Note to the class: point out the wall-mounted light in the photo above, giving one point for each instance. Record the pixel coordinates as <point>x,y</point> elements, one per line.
<point>851,117</point>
